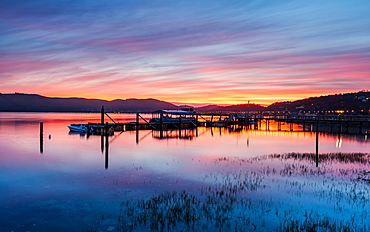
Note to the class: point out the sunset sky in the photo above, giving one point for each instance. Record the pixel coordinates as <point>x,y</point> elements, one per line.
<point>223,52</point>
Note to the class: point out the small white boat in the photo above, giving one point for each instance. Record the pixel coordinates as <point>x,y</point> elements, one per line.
<point>78,128</point>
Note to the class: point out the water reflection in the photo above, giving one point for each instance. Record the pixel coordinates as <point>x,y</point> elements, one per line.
<point>79,182</point>
<point>245,197</point>
<point>339,142</point>
<point>106,151</point>
<point>239,133</point>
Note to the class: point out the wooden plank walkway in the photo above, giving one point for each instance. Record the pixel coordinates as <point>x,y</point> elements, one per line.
<point>161,120</point>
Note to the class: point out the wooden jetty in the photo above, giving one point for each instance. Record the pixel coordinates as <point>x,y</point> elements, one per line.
<point>332,124</point>
<point>187,118</point>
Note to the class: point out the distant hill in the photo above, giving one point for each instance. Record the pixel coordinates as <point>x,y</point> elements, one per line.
<point>207,108</point>
<point>357,102</point>
<point>37,103</point>
<point>232,108</point>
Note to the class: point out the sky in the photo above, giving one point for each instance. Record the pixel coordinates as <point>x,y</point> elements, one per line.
<point>193,51</point>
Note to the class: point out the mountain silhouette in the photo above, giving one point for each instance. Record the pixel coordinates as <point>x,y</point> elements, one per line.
<point>37,103</point>
<point>358,102</point>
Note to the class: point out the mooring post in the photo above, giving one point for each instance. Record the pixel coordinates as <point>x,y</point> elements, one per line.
<point>102,116</point>
<point>161,125</point>
<point>260,123</point>
<point>102,141</point>
<point>41,128</point>
<point>137,127</point>
<point>317,142</point>
<point>106,150</point>
<point>137,121</point>
<point>255,124</point>
<point>41,137</point>
<point>180,126</point>
<point>106,128</point>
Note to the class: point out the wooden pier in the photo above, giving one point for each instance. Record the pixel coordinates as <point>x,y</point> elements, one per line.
<point>167,124</point>
<point>185,119</point>
<point>340,125</point>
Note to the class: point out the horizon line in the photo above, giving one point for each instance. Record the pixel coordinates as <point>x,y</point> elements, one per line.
<point>193,104</point>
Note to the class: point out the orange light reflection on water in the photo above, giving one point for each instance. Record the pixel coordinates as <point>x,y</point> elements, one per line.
<point>94,176</point>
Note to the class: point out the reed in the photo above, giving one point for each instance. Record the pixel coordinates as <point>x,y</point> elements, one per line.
<point>244,199</point>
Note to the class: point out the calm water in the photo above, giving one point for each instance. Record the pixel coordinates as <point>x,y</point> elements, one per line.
<point>78,183</point>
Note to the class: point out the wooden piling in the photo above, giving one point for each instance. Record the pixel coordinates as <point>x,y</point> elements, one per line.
<point>161,125</point>
<point>102,142</point>
<point>41,128</point>
<point>180,126</point>
<point>106,150</point>
<point>106,129</point>
<point>41,137</point>
<point>102,116</point>
<point>137,128</point>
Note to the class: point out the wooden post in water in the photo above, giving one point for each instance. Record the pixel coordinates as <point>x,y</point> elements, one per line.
<point>260,123</point>
<point>41,128</point>
<point>180,126</point>
<point>106,150</point>
<point>102,141</point>
<point>106,130</point>
<point>41,137</point>
<point>137,127</point>
<point>137,121</point>
<point>255,125</point>
<point>161,125</point>
<point>102,116</point>
<point>317,143</point>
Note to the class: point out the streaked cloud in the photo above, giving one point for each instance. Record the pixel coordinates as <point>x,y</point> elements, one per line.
<point>185,51</point>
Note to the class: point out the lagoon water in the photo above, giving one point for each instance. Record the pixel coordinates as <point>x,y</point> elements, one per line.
<point>238,180</point>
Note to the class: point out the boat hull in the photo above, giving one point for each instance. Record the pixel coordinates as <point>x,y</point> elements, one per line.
<point>77,128</point>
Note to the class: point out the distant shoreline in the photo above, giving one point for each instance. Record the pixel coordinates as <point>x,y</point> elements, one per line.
<point>351,103</point>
